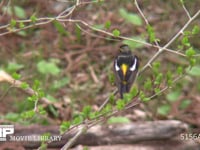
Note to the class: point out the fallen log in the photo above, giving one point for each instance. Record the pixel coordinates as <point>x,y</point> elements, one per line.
<point>108,134</point>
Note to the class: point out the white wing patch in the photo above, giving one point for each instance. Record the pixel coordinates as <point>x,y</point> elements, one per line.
<point>133,67</point>
<point>116,66</point>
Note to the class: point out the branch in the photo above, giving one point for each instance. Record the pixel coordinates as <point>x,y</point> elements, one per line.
<point>170,42</point>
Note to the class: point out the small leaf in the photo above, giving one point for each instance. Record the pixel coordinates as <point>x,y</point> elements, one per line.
<point>120,104</point>
<point>131,17</point>
<point>132,44</point>
<point>185,41</point>
<point>118,119</point>
<point>21,25</point>
<point>60,28</point>
<point>112,98</point>
<point>13,23</point>
<point>180,70</point>
<point>194,71</point>
<point>116,33</point>
<point>86,110</point>
<point>190,52</point>
<point>151,33</point>
<point>107,24</point>
<point>173,96</point>
<point>14,66</point>
<point>51,98</point>
<point>33,18</point>
<point>60,83</point>
<point>16,76</point>
<point>148,84</point>
<point>24,85</point>
<point>64,126</point>
<point>12,116</point>
<point>185,103</point>
<point>164,109</point>
<point>195,30</point>
<point>20,12</point>
<point>45,67</point>
<point>134,91</point>
<point>158,79</point>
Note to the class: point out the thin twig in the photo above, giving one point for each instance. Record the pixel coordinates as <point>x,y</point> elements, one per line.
<point>186,11</point>
<point>107,100</point>
<point>170,42</point>
<point>143,16</point>
<point>81,131</point>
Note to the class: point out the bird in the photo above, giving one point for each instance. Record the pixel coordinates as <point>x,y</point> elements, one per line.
<point>125,69</point>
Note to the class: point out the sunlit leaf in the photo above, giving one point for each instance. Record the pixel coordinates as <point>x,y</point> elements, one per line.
<point>131,17</point>
<point>118,119</point>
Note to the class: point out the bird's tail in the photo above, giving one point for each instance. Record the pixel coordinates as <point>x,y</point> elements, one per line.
<point>123,89</point>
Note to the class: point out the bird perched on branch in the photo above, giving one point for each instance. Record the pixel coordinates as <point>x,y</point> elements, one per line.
<point>125,69</point>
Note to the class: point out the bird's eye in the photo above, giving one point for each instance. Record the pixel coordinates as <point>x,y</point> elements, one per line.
<point>133,67</point>
<point>116,66</point>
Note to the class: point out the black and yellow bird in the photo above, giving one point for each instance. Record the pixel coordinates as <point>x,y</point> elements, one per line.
<point>125,69</point>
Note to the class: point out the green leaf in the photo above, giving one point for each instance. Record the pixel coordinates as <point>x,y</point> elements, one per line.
<point>51,98</point>
<point>151,33</point>
<point>27,114</point>
<point>12,116</point>
<point>33,18</point>
<point>133,44</point>
<point>78,119</point>
<point>24,85</point>
<point>42,111</point>
<point>148,84</point>
<point>118,119</point>
<point>134,91</point>
<point>185,103</point>
<point>65,125</point>
<point>180,70</point>
<point>111,78</point>
<point>112,98</point>
<point>190,52</point>
<point>185,41</point>
<point>60,28</point>
<point>130,17</point>
<point>173,96</point>
<point>164,109</point>
<point>157,91</point>
<point>196,30</point>
<point>13,23</point>
<point>21,25</point>
<point>158,79</point>
<point>120,104</point>
<point>194,71</point>
<point>60,83</point>
<point>143,97</point>
<point>16,76</point>
<point>53,110</point>
<point>46,67</point>
<point>107,24</point>
<point>192,61</point>
<point>86,110</point>
<point>22,33</point>
<point>98,26</point>
<point>14,66</point>
<point>116,33</point>
<point>78,32</point>
<point>20,12</point>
